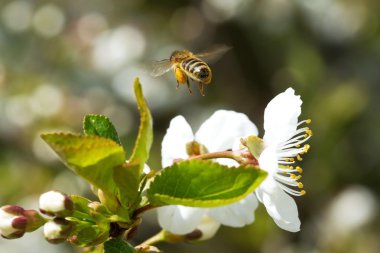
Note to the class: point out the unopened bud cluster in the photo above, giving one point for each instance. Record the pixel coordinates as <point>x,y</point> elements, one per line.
<point>59,206</point>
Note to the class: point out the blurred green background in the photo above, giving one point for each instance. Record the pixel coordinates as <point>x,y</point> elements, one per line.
<point>60,60</point>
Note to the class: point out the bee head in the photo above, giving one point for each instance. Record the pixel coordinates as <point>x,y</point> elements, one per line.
<point>178,56</point>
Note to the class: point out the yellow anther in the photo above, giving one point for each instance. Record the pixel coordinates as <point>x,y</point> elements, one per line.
<point>291,159</point>
<point>299,158</point>
<point>307,147</point>
<point>303,192</point>
<point>299,169</point>
<point>308,121</point>
<point>309,132</point>
<point>300,185</point>
<point>298,145</point>
<point>292,176</point>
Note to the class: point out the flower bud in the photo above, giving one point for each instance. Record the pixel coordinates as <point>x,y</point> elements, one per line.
<point>54,203</point>
<point>12,222</point>
<point>58,230</point>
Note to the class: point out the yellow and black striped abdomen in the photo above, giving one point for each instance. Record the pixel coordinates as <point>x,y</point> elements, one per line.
<point>197,70</point>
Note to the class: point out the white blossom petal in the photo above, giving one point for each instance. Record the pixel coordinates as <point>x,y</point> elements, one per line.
<point>220,131</point>
<point>208,227</point>
<point>52,230</point>
<point>180,219</point>
<point>237,214</point>
<point>268,161</point>
<point>52,201</point>
<point>6,220</point>
<point>174,143</point>
<point>281,207</point>
<point>281,117</point>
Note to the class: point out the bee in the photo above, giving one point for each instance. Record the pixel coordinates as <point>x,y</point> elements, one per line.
<point>187,65</point>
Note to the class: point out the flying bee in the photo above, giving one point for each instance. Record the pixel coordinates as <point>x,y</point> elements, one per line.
<point>187,65</point>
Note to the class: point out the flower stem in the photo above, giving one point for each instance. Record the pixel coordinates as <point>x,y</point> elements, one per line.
<point>143,209</point>
<point>159,237</point>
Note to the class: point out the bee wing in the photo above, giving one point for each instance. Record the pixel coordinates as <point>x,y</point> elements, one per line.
<point>159,68</point>
<point>213,53</point>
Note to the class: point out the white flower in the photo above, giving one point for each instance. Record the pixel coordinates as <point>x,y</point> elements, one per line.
<point>283,144</point>
<point>218,133</point>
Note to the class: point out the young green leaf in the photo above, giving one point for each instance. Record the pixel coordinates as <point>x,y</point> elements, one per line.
<point>118,246</point>
<point>144,139</point>
<point>127,177</point>
<point>91,157</point>
<point>200,183</point>
<point>127,180</point>
<point>100,125</point>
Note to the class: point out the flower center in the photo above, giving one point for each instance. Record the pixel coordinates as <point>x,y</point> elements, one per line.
<point>288,153</point>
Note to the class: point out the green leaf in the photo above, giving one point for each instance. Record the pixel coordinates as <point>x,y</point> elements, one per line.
<point>144,139</point>
<point>80,203</point>
<point>126,179</point>
<point>100,125</point>
<point>200,183</point>
<point>118,246</point>
<point>91,157</point>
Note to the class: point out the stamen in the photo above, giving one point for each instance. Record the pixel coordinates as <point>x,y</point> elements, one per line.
<point>286,180</point>
<point>286,170</point>
<point>299,169</point>
<point>306,147</point>
<point>296,144</point>
<point>299,158</point>
<point>286,167</point>
<point>307,121</point>
<point>300,185</point>
<point>295,177</point>
<point>291,191</point>
<point>284,162</point>
<point>291,152</point>
<point>296,135</point>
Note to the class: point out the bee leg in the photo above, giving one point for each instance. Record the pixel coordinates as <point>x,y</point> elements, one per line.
<point>188,86</point>
<point>201,89</point>
<point>177,84</point>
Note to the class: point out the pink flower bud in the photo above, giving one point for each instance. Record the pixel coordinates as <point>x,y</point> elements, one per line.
<point>15,221</point>
<point>12,223</point>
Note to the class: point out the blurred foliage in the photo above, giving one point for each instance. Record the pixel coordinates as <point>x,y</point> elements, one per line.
<point>60,60</point>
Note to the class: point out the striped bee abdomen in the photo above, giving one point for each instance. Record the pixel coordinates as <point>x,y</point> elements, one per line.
<point>197,69</point>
